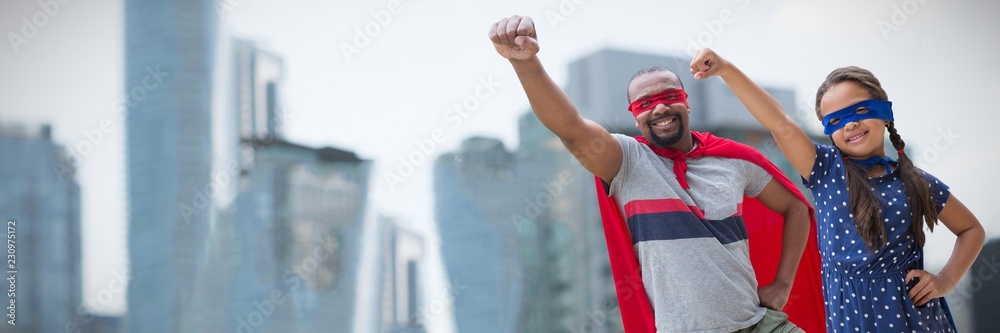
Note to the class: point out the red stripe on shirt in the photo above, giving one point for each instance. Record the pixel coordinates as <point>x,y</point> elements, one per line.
<point>660,206</point>
<point>666,206</point>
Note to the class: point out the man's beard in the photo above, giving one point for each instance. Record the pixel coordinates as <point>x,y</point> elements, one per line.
<point>666,142</point>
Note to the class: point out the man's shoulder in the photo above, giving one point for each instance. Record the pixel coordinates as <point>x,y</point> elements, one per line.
<point>623,137</point>
<point>629,142</point>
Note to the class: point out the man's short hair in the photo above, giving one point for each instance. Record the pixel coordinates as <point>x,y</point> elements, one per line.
<point>650,70</point>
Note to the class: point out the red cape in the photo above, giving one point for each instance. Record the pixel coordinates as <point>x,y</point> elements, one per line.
<point>805,303</point>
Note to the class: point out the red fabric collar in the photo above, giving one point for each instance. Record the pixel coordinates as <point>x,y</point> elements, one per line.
<point>764,227</point>
<point>679,158</point>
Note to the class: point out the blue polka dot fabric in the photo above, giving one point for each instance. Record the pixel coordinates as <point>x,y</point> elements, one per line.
<point>864,290</point>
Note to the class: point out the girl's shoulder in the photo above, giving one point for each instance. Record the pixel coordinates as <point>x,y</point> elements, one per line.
<point>828,169</point>
<point>937,188</point>
<point>828,151</point>
<point>929,177</point>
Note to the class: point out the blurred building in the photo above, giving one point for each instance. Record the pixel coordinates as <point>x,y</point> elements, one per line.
<point>298,230</point>
<point>507,234</point>
<point>476,192</point>
<point>522,228</point>
<point>105,324</point>
<point>256,99</point>
<point>402,265</point>
<point>40,203</point>
<point>563,248</point>
<point>170,49</point>
<point>293,243</point>
<point>258,84</point>
<point>984,288</point>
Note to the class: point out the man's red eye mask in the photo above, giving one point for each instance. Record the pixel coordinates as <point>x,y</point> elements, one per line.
<point>670,96</point>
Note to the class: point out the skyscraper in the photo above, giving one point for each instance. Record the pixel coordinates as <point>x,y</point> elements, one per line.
<point>401,293</point>
<point>104,324</point>
<point>475,192</point>
<point>40,203</point>
<point>256,111</point>
<point>561,228</point>
<point>169,57</point>
<point>298,228</point>
<point>983,287</point>
<point>298,217</point>
<point>258,84</point>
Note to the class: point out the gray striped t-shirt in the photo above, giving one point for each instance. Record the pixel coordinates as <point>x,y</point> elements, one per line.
<point>691,244</point>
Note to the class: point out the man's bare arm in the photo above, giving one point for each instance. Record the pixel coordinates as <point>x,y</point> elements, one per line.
<point>794,238</point>
<point>515,39</point>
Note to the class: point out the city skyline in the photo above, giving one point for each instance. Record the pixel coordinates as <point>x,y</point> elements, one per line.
<point>345,88</point>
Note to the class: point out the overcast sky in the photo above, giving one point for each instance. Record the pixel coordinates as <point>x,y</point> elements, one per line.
<point>936,59</point>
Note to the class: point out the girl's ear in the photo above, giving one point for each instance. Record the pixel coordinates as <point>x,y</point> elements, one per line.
<point>886,123</point>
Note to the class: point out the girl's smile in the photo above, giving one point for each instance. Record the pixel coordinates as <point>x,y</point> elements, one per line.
<point>860,139</point>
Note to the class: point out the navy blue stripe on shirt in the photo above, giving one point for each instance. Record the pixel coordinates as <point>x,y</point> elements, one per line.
<point>684,225</point>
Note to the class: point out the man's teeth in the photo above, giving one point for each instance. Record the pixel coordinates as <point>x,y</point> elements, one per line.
<point>665,122</point>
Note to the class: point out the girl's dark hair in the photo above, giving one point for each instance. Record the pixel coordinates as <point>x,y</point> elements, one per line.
<point>865,205</point>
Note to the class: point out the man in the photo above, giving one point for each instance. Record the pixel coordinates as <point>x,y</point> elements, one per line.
<point>682,196</point>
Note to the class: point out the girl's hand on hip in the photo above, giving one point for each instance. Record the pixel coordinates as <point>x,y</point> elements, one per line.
<point>929,286</point>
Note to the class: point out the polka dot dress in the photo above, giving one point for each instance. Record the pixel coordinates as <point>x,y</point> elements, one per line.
<point>865,291</point>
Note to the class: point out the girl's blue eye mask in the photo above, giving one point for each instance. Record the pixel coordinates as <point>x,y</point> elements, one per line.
<point>867,109</point>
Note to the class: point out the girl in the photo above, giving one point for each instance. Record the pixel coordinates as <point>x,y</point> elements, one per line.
<point>871,209</point>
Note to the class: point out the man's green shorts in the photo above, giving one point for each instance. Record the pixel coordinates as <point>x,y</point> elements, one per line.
<point>773,322</point>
